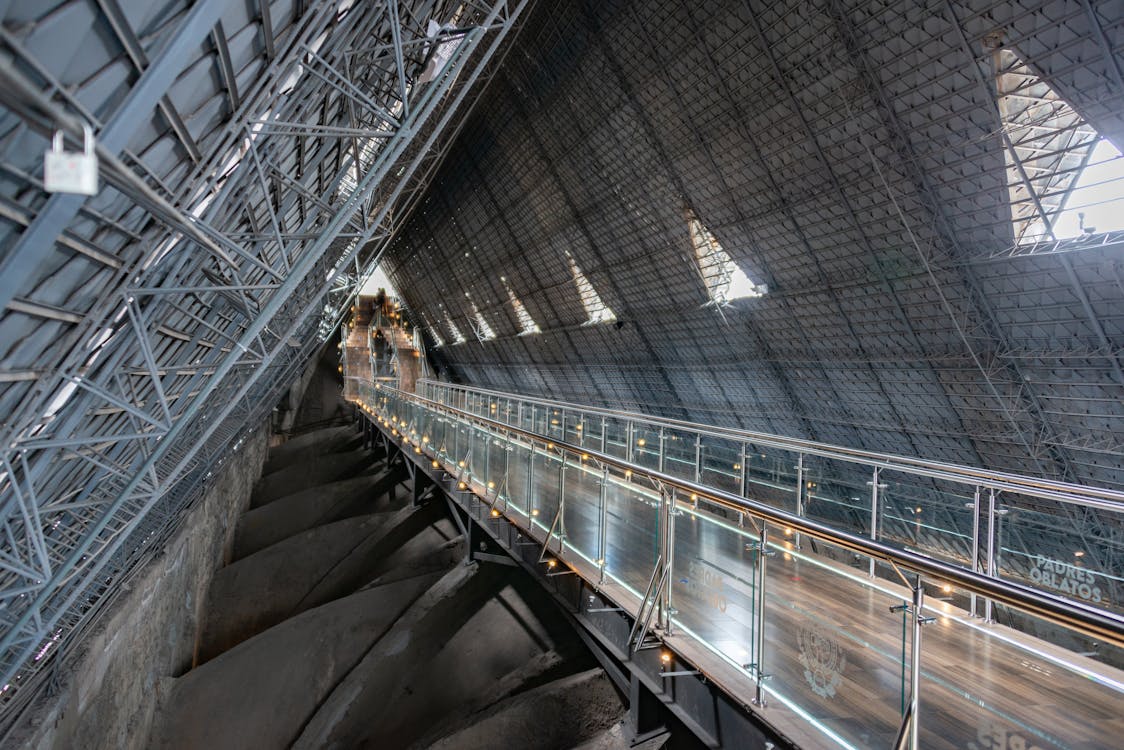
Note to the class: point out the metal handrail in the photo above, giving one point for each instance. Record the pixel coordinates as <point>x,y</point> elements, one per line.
<point>1066,492</point>
<point>1072,614</point>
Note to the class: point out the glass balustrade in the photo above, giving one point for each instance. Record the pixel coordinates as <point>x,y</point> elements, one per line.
<point>930,509</point>
<point>755,594</point>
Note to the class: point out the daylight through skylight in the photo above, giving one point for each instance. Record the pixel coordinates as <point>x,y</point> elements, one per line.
<point>723,278</point>
<point>1063,179</point>
<point>595,308</point>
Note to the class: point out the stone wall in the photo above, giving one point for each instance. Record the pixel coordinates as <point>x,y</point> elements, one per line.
<point>109,689</point>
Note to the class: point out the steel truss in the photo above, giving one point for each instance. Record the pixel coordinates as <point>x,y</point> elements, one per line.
<point>241,273</point>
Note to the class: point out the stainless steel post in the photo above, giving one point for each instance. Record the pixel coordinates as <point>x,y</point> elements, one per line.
<point>759,625</point>
<point>670,567</point>
<point>602,536</point>
<point>562,505</point>
<point>531,489</point>
<point>698,458</point>
<point>663,448</point>
<point>874,513</point>
<point>990,549</point>
<point>742,486</point>
<point>915,666</point>
<point>975,506</point>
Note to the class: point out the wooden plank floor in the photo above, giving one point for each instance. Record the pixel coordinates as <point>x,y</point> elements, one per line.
<point>833,647</point>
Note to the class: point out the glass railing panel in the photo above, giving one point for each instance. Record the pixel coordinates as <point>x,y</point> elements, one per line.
<point>575,428</point>
<point>838,495</point>
<point>714,589</point>
<point>581,520</point>
<point>496,474</point>
<point>544,487</point>
<point>555,423</point>
<point>616,437</point>
<point>462,455</point>
<point>592,433</point>
<point>1023,698</point>
<point>834,648</point>
<point>632,529</point>
<point>514,491</point>
<point>929,515</point>
<point>771,476</point>
<point>679,454</point>
<point>646,446</point>
<point>721,464</point>
<point>1061,550</point>
<point>444,431</point>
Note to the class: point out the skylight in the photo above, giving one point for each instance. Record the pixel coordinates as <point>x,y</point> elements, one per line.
<point>527,324</point>
<point>1063,179</point>
<point>723,278</point>
<point>595,308</point>
<point>454,332</point>
<point>480,325</point>
<point>376,281</point>
<point>434,332</point>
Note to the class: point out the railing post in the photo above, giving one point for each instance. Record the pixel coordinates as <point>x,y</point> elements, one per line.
<point>990,548</point>
<point>742,478</point>
<point>630,432</point>
<point>799,483</point>
<point>915,666</point>
<point>602,537</point>
<point>975,506</point>
<point>663,451</point>
<point>874,512</point>
<point>698,458</point>
<point>562,504</point>
<point>799,492</point>
<point>759,625</point>
<point>531,488</point>
<point>604,437</point>
<point>487,459</point>
<point>669,552</point>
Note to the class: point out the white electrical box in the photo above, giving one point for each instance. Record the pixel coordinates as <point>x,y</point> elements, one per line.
<point>71,171</point>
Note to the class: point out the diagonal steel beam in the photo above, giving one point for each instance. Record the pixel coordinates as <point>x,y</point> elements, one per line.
<point>21,261</point>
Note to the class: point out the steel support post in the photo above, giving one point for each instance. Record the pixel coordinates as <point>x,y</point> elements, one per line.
<point>975,506</point>
<point>531,511</point>
<point>874,512</point>
<point>698,459</point>
<point>562,505</point>
<point>603,520</point>
<point>743,473</point>
<point>759,624</point>
<point>991,519</point>
<point>663,448</point>
<point>799,493</point>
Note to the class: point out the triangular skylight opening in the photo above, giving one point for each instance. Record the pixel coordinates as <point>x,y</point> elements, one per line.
<point>434,332</point>
<point>1058,166</point>
<point>527,324</point>
<point>454,332</point>
<point>480,326</point>
<point>596,310</point>
<point>723,278</point>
